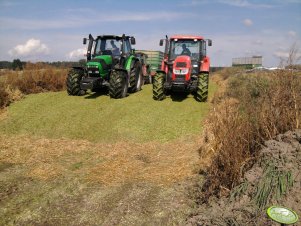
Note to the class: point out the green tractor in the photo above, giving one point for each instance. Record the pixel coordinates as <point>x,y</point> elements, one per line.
<point>111,65</point>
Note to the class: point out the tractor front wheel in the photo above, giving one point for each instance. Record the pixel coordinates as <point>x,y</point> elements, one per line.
<point>158,87</point>
<point>73,82</point>
<point>118,85</point>
<point>136,78</point>
<point>202,90</point>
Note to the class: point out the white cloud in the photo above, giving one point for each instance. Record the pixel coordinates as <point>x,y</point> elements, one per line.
<point>77,54</point>
<point>31,48</point>
<point>194,3</point>
<point>71,21</point>
<point>257,42</point>
<point>247,22</point>
<point>245,3</point>
<point>292,34</point>
<point>281,54</point>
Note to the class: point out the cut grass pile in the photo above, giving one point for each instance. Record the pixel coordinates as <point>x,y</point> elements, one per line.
<point>99,118</point>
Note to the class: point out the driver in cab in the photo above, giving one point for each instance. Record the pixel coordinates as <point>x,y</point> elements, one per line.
<point>115,49</point>
<point>185,51</point>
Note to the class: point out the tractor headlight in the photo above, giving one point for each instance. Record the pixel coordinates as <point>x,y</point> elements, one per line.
<point>180,71</point>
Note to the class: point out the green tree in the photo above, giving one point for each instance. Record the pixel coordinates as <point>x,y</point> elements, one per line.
<point>17,64</point>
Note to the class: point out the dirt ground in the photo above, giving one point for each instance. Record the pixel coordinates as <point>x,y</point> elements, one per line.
<point>68,182</point>
<point>247,203</point>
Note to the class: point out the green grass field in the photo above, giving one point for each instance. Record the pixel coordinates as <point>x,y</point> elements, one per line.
<point>98,118</point>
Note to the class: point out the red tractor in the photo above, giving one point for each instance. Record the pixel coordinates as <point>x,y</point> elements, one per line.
<point>185,67</point>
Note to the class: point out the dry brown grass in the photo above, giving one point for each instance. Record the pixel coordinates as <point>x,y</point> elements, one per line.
<point>35,78</point>
<point>64,181</point>
<point>108,164</point>
<point>252,108</point>
<point>38,80</point>
<point>4,97</point>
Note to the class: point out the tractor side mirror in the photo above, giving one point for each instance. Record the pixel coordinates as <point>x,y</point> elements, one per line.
<point>209,42</point>
<point>133,41</point>
<point>161,42</point>
<point>85,41</point>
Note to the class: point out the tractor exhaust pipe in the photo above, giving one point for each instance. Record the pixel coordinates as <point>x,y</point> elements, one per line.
<point>91,40</point>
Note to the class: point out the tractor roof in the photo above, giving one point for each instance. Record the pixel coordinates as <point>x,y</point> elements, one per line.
<point>186,37</point>
<point>117,37</point>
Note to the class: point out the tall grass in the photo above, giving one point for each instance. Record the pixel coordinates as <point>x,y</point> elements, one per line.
<point>35,78</point>
<point>252,108</point>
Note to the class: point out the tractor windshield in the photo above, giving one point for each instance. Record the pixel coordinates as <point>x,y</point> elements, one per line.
<point>186,47</point>
<point>108,47</point>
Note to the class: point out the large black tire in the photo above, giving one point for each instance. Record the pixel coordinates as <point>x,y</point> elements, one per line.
<point>73,82</point>
<point>118,84</point>
<point>158,87</point>
<point>202,90</point>
<point>136,78</point>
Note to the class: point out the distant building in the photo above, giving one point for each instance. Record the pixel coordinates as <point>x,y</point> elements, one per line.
<point>247,62</point>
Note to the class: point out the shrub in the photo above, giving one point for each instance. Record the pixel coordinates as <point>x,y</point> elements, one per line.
<point>35,78</point>
<point>38,80</point>
<point>253,108</point>
<point>4,97</point>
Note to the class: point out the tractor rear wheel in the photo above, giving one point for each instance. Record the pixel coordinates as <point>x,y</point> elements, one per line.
<point>73,82</point>
<point>202,90</point>
<point>118,84</point>
<point>136,78</point>
<point>158,87</point>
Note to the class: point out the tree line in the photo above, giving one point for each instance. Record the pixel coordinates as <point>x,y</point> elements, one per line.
<point>17,64</point>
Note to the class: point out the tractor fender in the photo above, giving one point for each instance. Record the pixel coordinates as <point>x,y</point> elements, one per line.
<point>205,66</point>
<point>160,71</point>
<point>83,69</point>
<point>79,68</point>
<point>133,61</point>
<point>130,63</point>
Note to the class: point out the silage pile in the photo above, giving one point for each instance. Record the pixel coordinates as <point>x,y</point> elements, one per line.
<point>275,179</point>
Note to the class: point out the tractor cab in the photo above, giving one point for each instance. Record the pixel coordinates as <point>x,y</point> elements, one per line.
<point>108,46</point>
<point>184,55</point>
<point>105,52</point>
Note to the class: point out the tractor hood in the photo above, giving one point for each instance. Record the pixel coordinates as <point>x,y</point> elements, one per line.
<point>107,59</point>
<point>182,67</point>
<point>99,65</point>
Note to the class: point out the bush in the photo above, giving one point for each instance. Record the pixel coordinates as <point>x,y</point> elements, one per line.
<point>40,80</point>
<point>253,108</point>
<point>4,97</point>
<point>35,78</point>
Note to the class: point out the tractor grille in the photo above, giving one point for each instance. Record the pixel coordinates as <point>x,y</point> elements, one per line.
<point>180,78</point>
<point>93,71</point>
<point>181,64</point>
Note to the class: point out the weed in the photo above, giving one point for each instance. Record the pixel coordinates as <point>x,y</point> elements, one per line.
<point>35,78</point>
<point>253,108</point>
<point>275,182</point>
<point>4,97</point>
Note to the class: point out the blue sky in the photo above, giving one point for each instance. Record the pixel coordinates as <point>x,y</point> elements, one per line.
<point>36,30</point>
